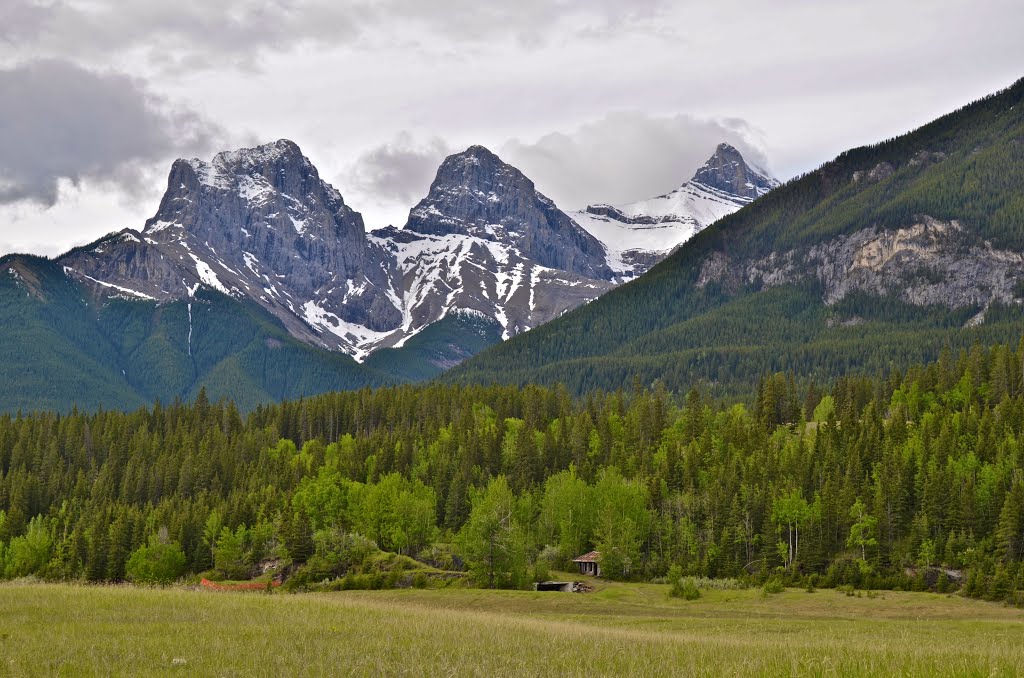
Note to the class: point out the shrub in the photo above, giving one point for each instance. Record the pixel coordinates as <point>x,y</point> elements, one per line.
<point>685,588</point>
<point>718,584</point>
<point>682,587</point>
<point>156,563</point>
<point>440,556</point>
<point>773,586</point>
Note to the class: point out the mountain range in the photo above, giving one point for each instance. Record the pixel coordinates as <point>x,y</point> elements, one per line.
<point>256,281</point>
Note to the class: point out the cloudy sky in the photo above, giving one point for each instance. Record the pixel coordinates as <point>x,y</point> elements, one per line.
<point>596,100</point>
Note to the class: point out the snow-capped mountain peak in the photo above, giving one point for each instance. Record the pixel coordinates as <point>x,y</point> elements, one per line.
<point>258,223</point>
<point>475,193</point>
<point>638,235</point>
<point>728,172</point>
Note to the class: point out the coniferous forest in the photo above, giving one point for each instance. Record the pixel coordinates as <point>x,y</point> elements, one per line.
<point>906,480</point>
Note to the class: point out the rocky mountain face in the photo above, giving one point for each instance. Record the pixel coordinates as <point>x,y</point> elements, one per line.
<point>929,262</point>
<point>485,240</point>
<point>477,194</point>
<point>260,224</point>
<point>639,235</point>
<point>726,171</point>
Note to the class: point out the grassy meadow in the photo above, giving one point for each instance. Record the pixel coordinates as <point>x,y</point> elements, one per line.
<point>620,629</point>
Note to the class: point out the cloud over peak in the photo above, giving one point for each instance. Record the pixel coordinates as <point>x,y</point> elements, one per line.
<point>627,156</point>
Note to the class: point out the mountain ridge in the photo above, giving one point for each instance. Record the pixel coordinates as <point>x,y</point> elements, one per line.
<point>750,294</point>
<point>258,239</point>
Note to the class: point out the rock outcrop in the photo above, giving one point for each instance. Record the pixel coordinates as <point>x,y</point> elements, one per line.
<point>928,262</point>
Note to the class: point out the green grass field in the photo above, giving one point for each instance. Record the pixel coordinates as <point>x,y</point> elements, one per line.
<point>627,629</point>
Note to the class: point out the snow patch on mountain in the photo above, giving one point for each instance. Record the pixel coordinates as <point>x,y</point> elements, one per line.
<point>360,338</point>
<point>207,275</point>
<point>135,294</point>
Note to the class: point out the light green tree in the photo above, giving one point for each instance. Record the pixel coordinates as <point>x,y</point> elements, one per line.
<point>791,511</point>
<point>491,540</point>
<point>926,555</point>
<point>396,513</point>
<point>211,531</point>
<point>322,499</point>
<point>621,522</point>
<point>567,513</point>
<point>862,532</point>
<point>159,562</point>
<point>229,554</point>
<point>29,553</point>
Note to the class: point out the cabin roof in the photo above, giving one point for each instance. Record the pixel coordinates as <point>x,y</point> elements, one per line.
<point>592,557</point>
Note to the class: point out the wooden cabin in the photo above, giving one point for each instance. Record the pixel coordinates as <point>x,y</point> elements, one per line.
<point>589,563</point>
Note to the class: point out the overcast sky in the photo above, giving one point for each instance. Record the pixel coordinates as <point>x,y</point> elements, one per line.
<point>595,100</point>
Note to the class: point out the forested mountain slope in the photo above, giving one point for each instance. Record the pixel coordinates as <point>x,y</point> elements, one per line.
<point>64,347</point>
<point>878,258</point>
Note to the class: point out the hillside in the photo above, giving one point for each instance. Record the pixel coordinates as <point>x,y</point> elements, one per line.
<point>876,260</point>
<point>65,347</point>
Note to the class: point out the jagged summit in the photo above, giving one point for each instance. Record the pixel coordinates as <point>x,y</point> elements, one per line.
<point>264,158</point>
<point>727,171</point>
<point>468,193</point>
<point>251,177</point>
<point>475,193</point>
<point>638,235</point>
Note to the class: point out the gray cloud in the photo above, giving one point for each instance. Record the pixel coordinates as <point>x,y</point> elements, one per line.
<point>397,173</point>
<point>20,19</point>
<point>182,34</point>
<point>531,22</point>
<point>59,121</point>
<point>193,34</point>
<point>627,156</point>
